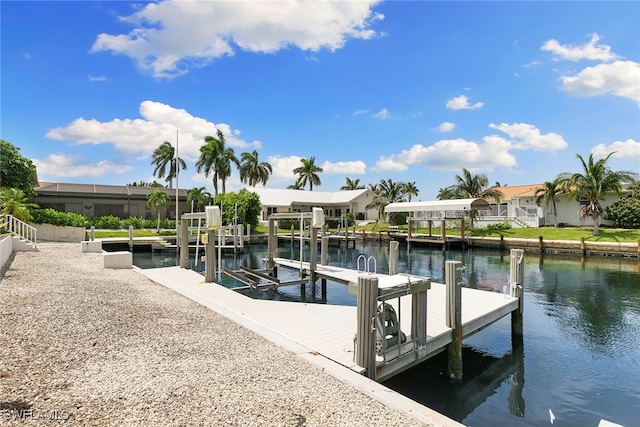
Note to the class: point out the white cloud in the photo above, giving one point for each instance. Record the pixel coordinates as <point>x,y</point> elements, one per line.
<point>389,164</point>
<point>590,50</point>
<point>26,55</point>
<point>620,78</point>
<point>170,37</point>
<point>446,127</point>
<point>453,154</point>
<point>60,165</point>
<point>97,78</point>
<point>462,103</point>
<point>627,150</point>
<point>360,112</point>
<point>494,151</point>
<point>382,114</point>
<point>357,167</point>
<point>158,124</point>
<point>283,167</point>
<point>528,137</point>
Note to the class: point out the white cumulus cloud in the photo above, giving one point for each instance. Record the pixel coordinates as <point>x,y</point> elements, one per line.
<point>63,166</point>
<point>446,127</point>
<point>628,150</point>
<point>590,50</point>
<point>528,137</point>
<point>620,78</point>
<point>171,36</point>
<point>159,123</point>
<point>283,167</point>
<point>389,164</point>
<point>453,154</point>
<point>357,167</point>
<point>462,103</point>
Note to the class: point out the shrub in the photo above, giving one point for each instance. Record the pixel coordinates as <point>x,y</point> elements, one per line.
<point>625,213</point>
<point>54,217</point>
<point>134,221</point>
<point>107,222</point>
<point>504,225</point>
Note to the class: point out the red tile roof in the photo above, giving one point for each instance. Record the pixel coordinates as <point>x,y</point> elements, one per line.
<point>509,192</point>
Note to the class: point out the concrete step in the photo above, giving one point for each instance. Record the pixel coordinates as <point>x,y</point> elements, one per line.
<point>23,245</point>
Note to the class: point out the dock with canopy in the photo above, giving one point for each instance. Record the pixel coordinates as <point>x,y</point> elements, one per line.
<point>438,210</point>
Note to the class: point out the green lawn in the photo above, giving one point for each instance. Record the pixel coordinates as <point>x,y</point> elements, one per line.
<point>565,233</point>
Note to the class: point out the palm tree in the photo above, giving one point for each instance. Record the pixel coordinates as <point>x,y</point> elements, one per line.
<point>252,170</point>
<point>591,186</point>
<point>296,186</point>
<point>386,192</point>
<point>352,184</point>
<point>199,197</point>
<point>470,186</point>
<point>308,172</point>
<point>226,156</point>
<point>409,189</point>
<point>14,201</point>
<point>157,199</point>
<point>446,193</point>
<point>216,159</point>
<point>164,156</point>
<point>548,194</point>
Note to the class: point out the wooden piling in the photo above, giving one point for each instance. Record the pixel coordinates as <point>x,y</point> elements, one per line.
<point>583,249</point>
<point>210,256</point>
<point>516,278</point>
<point>324,250</point>
<point>365,352</point>
<point>540,244</point>
<point>419,317</point>
<point>184,243</point>
<point>272,244</point>
<point>393,257</point>
<point>313,252</point>
<point>453,275</point>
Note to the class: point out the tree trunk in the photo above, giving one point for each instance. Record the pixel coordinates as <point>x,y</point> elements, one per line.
<point>158,227</point>
<point>596,226</point>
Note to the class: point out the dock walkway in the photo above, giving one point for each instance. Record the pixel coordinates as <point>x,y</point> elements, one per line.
<point>329,330</point>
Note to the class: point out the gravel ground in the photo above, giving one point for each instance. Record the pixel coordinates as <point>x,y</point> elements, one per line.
<point>81,345</point>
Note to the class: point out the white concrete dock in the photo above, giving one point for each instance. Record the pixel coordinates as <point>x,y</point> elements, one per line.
<point>329,330</point>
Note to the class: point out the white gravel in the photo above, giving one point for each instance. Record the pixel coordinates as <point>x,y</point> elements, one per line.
<point>81,345</point>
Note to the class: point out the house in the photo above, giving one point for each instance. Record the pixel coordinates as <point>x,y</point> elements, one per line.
<point>518,206</point>
<point>334,204</point>
<point>95,200</point>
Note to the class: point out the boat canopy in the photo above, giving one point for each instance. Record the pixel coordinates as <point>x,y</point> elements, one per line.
<point>439,206</point>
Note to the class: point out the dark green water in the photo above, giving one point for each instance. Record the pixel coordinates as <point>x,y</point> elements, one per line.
<point>579,360</point>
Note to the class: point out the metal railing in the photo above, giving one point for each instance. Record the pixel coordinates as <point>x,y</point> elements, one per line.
<point>20,228</point>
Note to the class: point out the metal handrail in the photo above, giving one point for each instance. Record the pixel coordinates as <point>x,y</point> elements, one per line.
<point>366,264</point>
<point>21,228</point>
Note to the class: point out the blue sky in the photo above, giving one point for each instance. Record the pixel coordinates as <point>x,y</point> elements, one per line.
<point>411,91</point>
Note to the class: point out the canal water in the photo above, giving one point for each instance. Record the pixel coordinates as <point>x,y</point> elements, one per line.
<point>577,364</point>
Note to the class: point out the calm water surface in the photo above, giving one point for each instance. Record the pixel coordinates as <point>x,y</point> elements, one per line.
<point>579,360</point>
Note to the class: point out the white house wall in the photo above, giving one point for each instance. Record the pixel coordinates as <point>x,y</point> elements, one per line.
<point>568,211</point>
